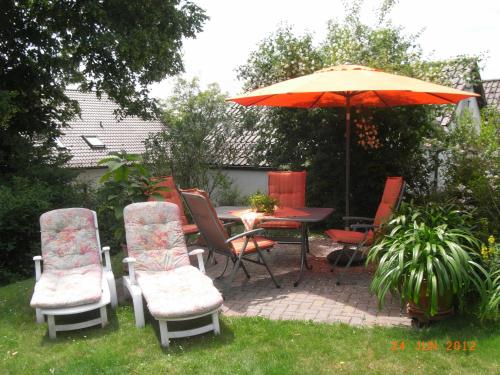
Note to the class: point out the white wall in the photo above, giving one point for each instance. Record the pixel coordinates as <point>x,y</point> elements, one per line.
<point>248,181</point>
<point>91,175</point>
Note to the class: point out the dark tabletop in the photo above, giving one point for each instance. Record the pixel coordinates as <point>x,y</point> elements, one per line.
<point>303,214</point>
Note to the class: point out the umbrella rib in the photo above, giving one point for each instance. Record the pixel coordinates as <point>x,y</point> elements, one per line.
<point>440,97</point>
<point>378,96</point>
<point>317,100</point>
<point>261,99</point>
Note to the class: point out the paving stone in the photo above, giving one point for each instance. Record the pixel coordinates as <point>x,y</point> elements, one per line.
<point>317,298</point>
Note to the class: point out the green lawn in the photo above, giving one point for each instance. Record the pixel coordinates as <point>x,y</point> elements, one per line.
<point>246,346</point>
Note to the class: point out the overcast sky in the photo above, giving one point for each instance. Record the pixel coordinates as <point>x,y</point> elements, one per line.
<point>450,28</point>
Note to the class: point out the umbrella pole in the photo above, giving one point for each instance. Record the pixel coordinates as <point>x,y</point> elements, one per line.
<point>347,151</point>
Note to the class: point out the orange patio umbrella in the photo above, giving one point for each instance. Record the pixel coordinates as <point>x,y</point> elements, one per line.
<point>350,86</point>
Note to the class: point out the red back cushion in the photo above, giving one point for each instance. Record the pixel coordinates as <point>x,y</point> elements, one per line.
<point>392,191</point>
<point>288,187</point>
<point>171,195</point>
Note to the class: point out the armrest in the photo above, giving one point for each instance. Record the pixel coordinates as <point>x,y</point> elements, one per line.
<point>199,256</point>
<point>362,226</point>
<point>357,218</point>
<point>38,266</point>
<point>228,224</point>
<point>244,234</point>
<point>107,259</point>
<point>131,269</point>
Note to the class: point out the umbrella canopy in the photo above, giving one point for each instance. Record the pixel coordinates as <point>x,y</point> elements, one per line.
<point>347,86</point>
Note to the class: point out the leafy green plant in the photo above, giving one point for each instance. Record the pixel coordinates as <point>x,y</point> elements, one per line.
<point>126,181</point>
<point>262,202</point>
<point>427,247</point>
<point>196,142</point>
<point>490,308</point>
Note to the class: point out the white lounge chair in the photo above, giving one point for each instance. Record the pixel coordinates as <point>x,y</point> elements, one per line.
<point>73,278</point>
<point>160,270</point>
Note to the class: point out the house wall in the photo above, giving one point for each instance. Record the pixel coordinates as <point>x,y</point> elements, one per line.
<point>90,175</point>
<point>248,181</point>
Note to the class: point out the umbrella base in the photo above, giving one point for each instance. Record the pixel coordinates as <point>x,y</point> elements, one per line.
<point>341,257</point>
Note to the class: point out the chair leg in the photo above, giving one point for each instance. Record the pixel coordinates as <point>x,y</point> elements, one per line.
<point>112,289</point>
<point>39,316</point>
<point>164,333</point>
<point>242,265</point>
<point>104,316</point>
<point>224,271</point>
<point>215,322</point>
<point>268,269</point>
<point>52,326</point>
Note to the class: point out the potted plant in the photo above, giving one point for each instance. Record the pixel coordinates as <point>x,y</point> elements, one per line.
<point>263,203</point>
<point>428,256</point>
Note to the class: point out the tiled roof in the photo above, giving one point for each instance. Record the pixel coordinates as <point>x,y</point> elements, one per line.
<point>492,92</point>
<point>98,119</point>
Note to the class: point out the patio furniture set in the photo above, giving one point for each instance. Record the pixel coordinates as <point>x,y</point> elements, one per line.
<point>75,279</point>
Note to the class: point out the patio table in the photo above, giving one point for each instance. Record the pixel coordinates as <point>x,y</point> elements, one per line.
<point>304,215</point>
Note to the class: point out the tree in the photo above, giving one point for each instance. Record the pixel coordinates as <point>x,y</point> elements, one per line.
<point>195,143</point>
<point>385,142</point>
<point>117,47</point>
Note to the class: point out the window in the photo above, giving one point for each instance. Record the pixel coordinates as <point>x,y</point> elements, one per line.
<point>93,141</point>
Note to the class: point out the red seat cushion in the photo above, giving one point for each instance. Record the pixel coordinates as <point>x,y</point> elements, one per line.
<point>262,242</point>
<point>280,225</point>
<point>349,236</point>
<point>190,229</point>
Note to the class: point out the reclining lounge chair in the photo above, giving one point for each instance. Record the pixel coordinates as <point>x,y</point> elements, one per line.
<point>73,279</point>
<point>160,270</point>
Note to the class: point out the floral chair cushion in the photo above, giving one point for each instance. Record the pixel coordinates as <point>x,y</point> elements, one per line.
<point>69,239</point>
<point>66,288</point>
<point>154,236</point>
<point>181,292</point>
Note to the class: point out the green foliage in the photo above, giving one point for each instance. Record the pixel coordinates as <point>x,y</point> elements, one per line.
<point>117,47</point>
<point>126,181</point>
<point>24,199</point>
<point>472,167</point>
<point>262,202</point>
<point>385,142</point>
<point>430,246</point>
<point>490,308</point>
<point>194,145</point>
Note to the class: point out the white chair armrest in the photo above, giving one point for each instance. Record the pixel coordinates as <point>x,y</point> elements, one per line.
<point>38,266</point>
<point>199,255</point>
<point>107,259</point>
<point>131,269</point>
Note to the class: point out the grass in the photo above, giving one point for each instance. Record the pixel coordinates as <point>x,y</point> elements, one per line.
<point>246,346</point>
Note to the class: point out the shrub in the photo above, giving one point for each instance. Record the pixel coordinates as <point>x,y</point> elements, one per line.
<point>24,199</point>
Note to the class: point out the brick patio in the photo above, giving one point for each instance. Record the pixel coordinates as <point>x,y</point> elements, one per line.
<point>317,298</point>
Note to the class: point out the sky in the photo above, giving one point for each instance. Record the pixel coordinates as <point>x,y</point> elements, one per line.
<point>235,28</point>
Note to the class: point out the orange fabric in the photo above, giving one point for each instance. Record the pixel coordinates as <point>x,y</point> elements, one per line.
<point>263,243</point>
<point>392,191</point>
<point>327,88</point>
<point>172,195</point>
<point>349,236</point>
<point>288,187</point>
<point>190,229</point>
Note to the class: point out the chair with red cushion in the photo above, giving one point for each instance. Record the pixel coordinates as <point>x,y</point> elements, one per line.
<point>289,188</point>
<point>172,195</point>
<point>238,248</point>
<point>364,231</point>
